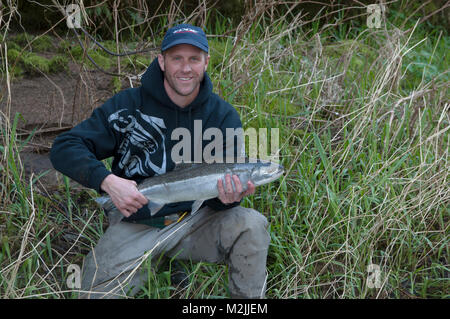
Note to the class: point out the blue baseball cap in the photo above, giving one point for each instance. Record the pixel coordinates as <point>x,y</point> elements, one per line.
<point>185,34</point>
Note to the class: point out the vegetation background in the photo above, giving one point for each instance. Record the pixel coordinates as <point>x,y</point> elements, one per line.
<point>363,113</point>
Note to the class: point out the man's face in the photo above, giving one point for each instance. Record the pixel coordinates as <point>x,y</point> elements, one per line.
<point>184,67</point>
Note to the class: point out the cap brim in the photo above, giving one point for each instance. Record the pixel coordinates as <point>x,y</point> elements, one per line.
<point>185,41</point>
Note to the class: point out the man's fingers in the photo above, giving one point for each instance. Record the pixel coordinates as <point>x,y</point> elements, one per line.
<point>129,206</point>
<point>124,212</point>
<point>228,185</point>
<point>141,199</point>
<point>237,184</point>
<point>223,196</point>
<point>221,190</point>
<point>127,213</point>
<point>136,199</point>
<point>238,190</point>
<point>226,193</point>
<point>124,194</point>
<point>220,187</point>
<point>250,189</point>
<point>231,195</point>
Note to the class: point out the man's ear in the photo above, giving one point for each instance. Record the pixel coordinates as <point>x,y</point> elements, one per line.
<point>161,61</point>
<point>206,62</point>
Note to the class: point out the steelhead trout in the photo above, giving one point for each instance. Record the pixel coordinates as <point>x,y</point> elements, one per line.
<point>198,182</point>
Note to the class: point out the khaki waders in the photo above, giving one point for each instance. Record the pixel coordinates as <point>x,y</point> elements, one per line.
<point>237,237</point>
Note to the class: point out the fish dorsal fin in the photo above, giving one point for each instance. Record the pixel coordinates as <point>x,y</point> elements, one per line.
<point>184,166</point>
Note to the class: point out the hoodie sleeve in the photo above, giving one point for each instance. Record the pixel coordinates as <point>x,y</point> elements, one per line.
<point>79,152</point>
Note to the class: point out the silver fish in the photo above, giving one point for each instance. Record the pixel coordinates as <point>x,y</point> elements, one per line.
<point>198,182</point>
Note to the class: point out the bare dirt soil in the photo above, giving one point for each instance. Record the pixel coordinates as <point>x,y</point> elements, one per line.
<point>50,104</point>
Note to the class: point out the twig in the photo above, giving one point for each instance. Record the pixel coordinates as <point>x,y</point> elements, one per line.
<point>46,131</point>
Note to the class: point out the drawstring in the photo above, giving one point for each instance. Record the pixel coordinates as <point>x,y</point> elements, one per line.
<point>190,119</point>
<point>193,135</point>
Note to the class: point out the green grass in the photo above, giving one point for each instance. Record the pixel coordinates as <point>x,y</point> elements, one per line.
<point>364,137</point>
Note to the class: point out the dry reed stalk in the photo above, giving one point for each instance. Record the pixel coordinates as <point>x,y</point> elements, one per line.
<point>23,245</point>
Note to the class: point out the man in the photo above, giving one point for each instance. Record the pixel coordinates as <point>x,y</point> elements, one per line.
<point>135,128</point>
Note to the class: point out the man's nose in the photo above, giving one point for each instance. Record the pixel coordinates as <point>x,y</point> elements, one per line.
<point>186,67</point>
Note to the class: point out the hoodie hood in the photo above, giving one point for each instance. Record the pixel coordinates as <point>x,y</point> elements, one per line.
<point>153,84</point>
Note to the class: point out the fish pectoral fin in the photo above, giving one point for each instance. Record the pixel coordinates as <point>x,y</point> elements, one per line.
<point>155,207</point>
<point>196,206</point>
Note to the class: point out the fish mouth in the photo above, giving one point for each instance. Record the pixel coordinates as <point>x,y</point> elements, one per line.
<point>267,173</point>
<point>278,173</point>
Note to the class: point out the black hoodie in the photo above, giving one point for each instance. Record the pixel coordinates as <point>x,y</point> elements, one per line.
<point>134,127</point>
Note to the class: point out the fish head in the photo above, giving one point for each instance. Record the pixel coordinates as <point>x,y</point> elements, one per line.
<point>265,172</point>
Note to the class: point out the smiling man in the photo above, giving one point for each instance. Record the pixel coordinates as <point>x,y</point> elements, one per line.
<point>134,127</point>
<point>184,67</point>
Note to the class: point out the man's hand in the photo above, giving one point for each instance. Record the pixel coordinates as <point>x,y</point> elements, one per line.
<point>227,195</point>
<point>124,194</point>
